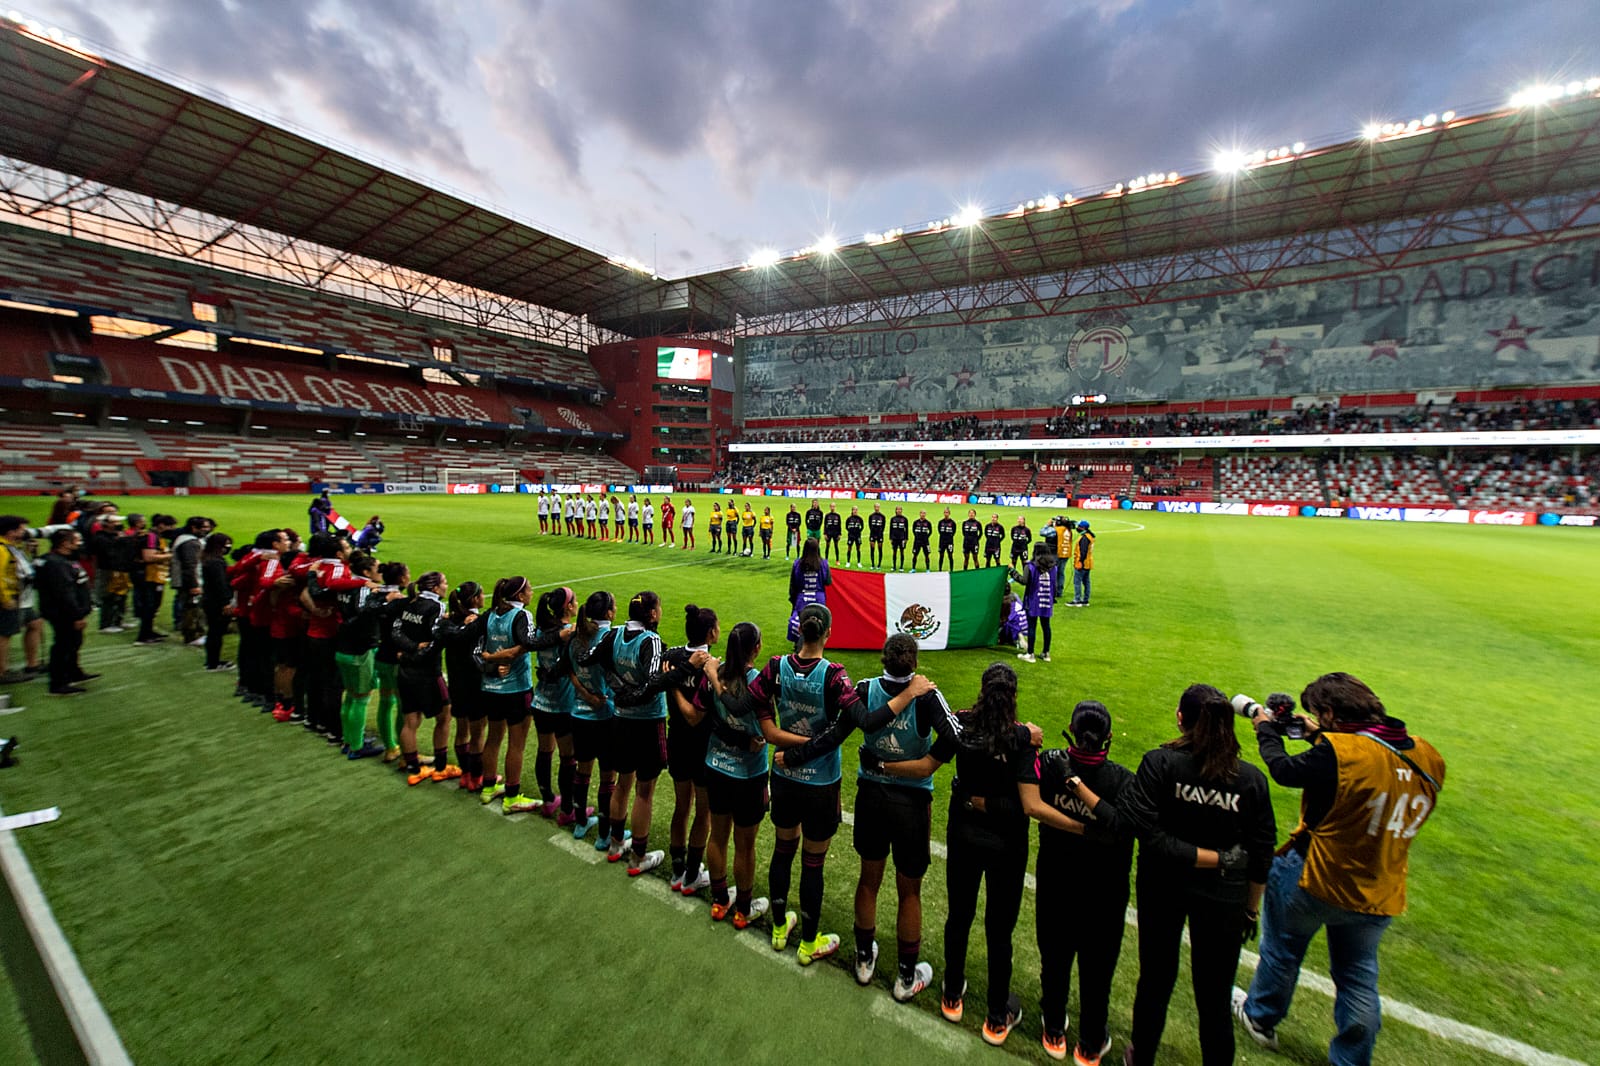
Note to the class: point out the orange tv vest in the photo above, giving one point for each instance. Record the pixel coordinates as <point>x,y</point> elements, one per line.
<point>1358,853</point>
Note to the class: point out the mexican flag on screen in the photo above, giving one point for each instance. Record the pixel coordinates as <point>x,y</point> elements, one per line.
<point>941,609</point>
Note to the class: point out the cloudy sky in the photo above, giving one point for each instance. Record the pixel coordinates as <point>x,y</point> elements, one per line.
<point>689,134</point>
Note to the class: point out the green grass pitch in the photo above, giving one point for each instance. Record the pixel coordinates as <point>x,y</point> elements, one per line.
<point>236,892</point>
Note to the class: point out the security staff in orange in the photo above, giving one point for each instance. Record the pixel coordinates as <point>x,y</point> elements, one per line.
<point>1082,554</point>
<point>1367,787</point>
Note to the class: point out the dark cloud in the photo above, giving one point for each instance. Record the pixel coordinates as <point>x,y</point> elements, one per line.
<point>851,90</point>
<point>376,67</point>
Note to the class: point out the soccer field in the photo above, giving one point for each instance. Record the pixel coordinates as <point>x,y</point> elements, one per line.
<point>237,892</point>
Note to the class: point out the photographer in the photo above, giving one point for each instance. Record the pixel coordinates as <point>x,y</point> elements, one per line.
<point>64,600</point>
<point>19,604</point>
<point>1367,788</point>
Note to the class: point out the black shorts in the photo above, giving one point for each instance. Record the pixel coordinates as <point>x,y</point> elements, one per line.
<point>466,699</point>
<point>686,752</point>
<point>894,818</point>
<point>288,651</point>
<point>969,548</point>
<point>641,747</point>
<point>898,545</point>
<point>743,798</point>
<point>814,808</point>
<point>423,694</point>
<point>508,707</point>
<point>547,722</point>
<point>854,540</point>
<point>595,740</point>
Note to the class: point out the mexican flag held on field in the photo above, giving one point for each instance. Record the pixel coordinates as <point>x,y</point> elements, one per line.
<point>940,609</point>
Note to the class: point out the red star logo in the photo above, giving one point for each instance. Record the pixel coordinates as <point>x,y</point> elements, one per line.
<point>1385,347</point>
<point>848,384</point>
<point>1274,354</point>
<point>1513,335</point>
<point>905,380</point>
<point>964,378</point>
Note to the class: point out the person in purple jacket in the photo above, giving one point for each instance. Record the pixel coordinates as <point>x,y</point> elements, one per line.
<point>1038,578</point>
<point>809,579</point>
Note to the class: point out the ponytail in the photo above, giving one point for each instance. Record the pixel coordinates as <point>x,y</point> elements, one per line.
<point>462,597</point>
<point>698,623</point>
<point>1090,730</point>
<point>552,609</point>
<point>642,606</point>
<point>814,622</point>
<point>1207,720</point>
<point>743,640</point>
<point>596,609</point>
<point>392,573</point>
<point>506,591</point>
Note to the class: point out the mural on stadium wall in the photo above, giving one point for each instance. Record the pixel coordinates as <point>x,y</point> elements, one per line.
<point>1529,316</point>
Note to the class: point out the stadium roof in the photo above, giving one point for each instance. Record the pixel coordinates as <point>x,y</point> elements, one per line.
<point>96,119</point>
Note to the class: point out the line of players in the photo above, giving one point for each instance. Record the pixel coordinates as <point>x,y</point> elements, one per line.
<point>735,532</point>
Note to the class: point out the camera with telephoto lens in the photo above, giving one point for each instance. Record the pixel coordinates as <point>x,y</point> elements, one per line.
<point>1280,705</point>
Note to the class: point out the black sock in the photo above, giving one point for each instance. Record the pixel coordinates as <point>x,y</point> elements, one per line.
<point>778,875</point>
<point>909,950</point>
<point>641,845</point>
<point>564,776</point>
<point>864,938</point>
<point>741,901</point>
<point>440,759</point>
<point>677,851</point>
<point>719,891</point>
<point>691,867</point>
<point>413,763</point>
<point>580,793</point>
<point>513,790</point>
<point>541,774</point>
<point>811,893</point>
<point>463,758</point>
<point>490,780</point>
<point>602,807</point>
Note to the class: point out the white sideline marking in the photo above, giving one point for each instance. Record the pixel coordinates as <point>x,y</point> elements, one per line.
<point>1432,1024</point>
<point>922,1025</point>
<point>91,1026</point>
<point>1133,527</point>
<point>580,848</point>
<point>614,573</point>
<point>22,821</point>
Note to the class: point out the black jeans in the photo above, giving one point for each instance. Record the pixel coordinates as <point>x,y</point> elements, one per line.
<point>976,854</point>
<point>65,642</point>
<point>146,605</point>
<point>1088,930</point>
<point>216,629</point>
<point>1216,932</point>
<point>322,690</point>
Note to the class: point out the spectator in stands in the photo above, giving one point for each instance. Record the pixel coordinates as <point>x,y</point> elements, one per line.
<point>64,603</point>
<point>1338,871</point>
<point>19,603</point>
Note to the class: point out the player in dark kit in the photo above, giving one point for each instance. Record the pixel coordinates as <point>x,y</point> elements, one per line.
<point>993,535</point>
<point>947,539</point>
<point>921,533</point>
<point>831,525</point>
<point>791,536</point>
<point>899,528</point>
<point>971,533</point>
<point>1021,537</point>
<point>852,535</point>
<point>875,524</point>
<point>813,521</point>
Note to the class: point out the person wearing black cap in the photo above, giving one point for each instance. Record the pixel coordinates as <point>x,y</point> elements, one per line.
<point>1080,828</point>
<point>1082,565</point>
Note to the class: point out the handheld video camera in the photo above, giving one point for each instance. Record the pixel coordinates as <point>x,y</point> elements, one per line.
<point>1281,706</point>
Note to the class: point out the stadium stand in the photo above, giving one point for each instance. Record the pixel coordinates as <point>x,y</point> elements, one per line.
<point>1387,478</point>
<point>1269,477</point>
<point>1185,479</point>
<point>1007,477</point>
<point>1513,479</point>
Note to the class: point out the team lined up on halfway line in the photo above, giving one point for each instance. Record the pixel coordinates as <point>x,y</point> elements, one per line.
<point>612,519</point>
<point>749,737</point>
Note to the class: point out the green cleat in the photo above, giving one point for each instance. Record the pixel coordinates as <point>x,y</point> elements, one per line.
<point>489,793</point>
<point>519,804</point>
<point>824,945</point>
<point>781,930</point>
